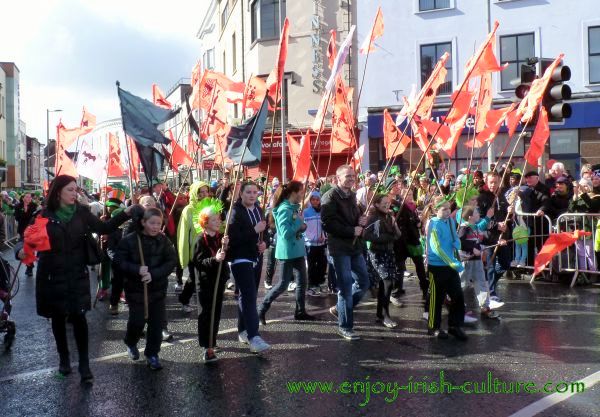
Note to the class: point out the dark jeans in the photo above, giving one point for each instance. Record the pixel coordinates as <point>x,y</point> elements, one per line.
<point>271,266</point>
<point>443,280</point>
<point>351,287</point>
<point>383,297</point>
<point>205,297</point>
<point>317,265</point>
<point>190,286</point>
<point>116,286</point>
<point>287,274</point>
<point>135,325</point>
<point>247,278</point>
<point>80,331</point>
<point>495,269</point>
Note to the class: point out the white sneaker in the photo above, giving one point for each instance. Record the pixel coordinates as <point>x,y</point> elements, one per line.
<point>243,337</point>
<point>230,285</point>
<point>291,286</point>
<point>257,345</point>
<point>470,319</point>
<point>178,288</point>
<point>313,292</point>
<point>425,315</point>
<point>496,304</point>
<point>406,274</point>
<point>268,286</point>
<point>186,308</point>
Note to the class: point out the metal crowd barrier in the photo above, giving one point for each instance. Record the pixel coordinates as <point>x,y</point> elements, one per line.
<point>579,257</point>
<point>10,225</point>
<point>540,227</point>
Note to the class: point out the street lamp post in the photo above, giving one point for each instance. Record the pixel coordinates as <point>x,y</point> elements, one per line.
<point>48,142</point>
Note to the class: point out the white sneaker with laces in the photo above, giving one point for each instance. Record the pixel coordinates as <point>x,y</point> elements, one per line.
<point>291,287</point>
<point>243,337</point>
<point>425,315</point>
<point>268,286</point>
<point>257,345</point>
<point>496,304</point>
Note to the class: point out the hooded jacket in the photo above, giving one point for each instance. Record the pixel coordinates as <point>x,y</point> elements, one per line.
<point>186,232</point>
<point>442,242</point>
<point>243,239</point>
<point>314,227</point>
<point>340,214</point>
<point>290,243</point>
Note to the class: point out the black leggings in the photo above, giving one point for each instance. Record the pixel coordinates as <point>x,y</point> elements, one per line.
<point>80,331</point>
<point>383,297</point>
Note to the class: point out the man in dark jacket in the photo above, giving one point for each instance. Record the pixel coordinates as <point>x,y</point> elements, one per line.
<point>344,223</point>
<point>535,200</point>
<point>560,199</point>
<point>491,196</point>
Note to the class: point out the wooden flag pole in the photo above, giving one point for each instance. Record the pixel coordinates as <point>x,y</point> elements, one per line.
<point>319,135</point>
<point>220,268</point>
<point>145,284</point>
<point>266,190</point>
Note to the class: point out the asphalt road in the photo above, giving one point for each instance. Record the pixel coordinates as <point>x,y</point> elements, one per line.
<point>547,333</point>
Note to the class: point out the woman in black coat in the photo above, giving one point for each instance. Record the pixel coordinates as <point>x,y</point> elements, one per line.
<point>24,212</point>
<point>62,278</point>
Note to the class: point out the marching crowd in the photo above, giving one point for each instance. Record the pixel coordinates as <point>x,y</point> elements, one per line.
<point>346,235</point>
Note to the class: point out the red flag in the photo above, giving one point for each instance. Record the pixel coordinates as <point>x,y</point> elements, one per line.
<point>115,165</point>
<point>376,32</point>
<point>391,137</point>
<point>195,78</point>
<point>512,121</point>
<point>555,243</point>
<point>254,94</point>
<point>494,120</point>
<point>276,76</point>
<point>191,145</point>
<point>318,123</point>
<point>179,157</point>
<point>331,48</point>
<point>539,139</point>
<point>420,135</point>
<point>532,100</point>
<point>134,161</point>
<point>358,157</point>
<point>303,165</point>
<point>65,138</point>
<point>342,121</point>
<point>88,123</point>
<point>424,102</point>
<point>484,101</point>
<point>456,119</point>
<point>35,239</point>
<point>158,97</point>
<point>487,62</point>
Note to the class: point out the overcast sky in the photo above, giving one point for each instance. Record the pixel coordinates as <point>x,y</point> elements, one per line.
<point>71,52</point>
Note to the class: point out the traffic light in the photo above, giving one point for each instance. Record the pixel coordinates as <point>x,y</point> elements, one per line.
<point>528,74</point>
<point>556,92</point>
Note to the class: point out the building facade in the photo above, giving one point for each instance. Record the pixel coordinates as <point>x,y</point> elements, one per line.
<point>33,163</point>
<point>528,28</point>
<point>240,38</point>
<point>3,131</point>
<point>13,137</point>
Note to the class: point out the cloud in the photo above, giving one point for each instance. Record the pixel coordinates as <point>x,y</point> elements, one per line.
<point>74,56</point>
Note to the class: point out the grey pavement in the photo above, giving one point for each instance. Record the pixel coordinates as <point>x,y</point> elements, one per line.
<point>547,333</point>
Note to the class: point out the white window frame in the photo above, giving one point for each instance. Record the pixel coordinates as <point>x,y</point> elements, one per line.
<point>537,44</point>
<point>585,53</point>
<point>453,54</point>
<point>417,9</point>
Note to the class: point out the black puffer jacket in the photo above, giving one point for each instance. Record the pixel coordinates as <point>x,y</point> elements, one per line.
<point>243,239</point>
<point>340,214</point>
<point>159,257</point>
<point>204,259</point>
<point>62,278</point>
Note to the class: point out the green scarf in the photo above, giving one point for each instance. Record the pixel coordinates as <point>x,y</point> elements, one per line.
<point>65,213</point>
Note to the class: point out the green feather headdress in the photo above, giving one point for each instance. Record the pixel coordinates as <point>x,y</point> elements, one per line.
<point>206,207</point>
<point>463,197</point>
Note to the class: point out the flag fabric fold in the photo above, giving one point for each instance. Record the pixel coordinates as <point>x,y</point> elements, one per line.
<point>90,163</point>
<point>375,33</point>
<point>158,98</point>
<point>342,121</point>
<point>532,100</point>
<point>331,48</point>
<point>538,139</point>
<point>340,59</point>
<point>247,136</point>
<point>276,76</point>
<point>152,161</point>
<point>555,243</point>
<point>88,122</point>
<point>358,157</point>
<point>391,137</point>
<point>142,118</point>
<point>65,138</point>
<point>303,161</point>
<point>115,159</point>
<point>35,239</point>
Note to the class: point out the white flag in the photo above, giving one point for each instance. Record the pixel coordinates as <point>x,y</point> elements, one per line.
<point>338,64</point>
<point>90,163</point>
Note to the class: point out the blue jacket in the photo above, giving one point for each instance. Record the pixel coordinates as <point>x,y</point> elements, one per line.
<point>290,243</point>
<point>442,242</point>
<point>314,227</point>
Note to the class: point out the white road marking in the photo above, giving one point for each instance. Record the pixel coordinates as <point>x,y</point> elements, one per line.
<point>553,399</point>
